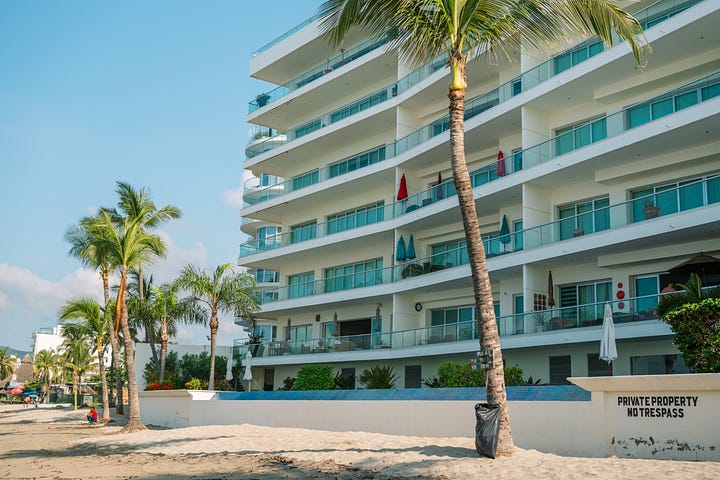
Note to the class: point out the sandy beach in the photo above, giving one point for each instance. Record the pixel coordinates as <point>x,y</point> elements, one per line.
<point>50,443</point>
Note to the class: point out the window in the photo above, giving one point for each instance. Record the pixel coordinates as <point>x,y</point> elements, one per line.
<point>305,180</point>
<point>577,136</point>
<point>516,86</point>
<point>584,217</point>
<point>269,332</point>
<point>584,303</point>
<point>358,275</point>
<point>266,276</point>
<point>300,334</point>
<point>578,55</point>
<point>413,374</point>
<point>301,285</point>
<point>519,311</point>
<point>308,128</point>
<point>597,367</point>
<point>675,197</point>
<point>560,370</point>
<point>269,379</point>
<point>658,365</point>
<point>518,235</point>
<point>303,232</point>
<point>445,324</point>
<point>347,379</point>
<point>358,106</point>
<point>358,217</point>
<point>450,254</point>
<point>647,288</point>
<point>358,161</point>
<point>517,157</point>
<point>267,237</point>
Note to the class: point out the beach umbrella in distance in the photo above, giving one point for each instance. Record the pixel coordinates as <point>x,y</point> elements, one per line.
<point>500,166</point>
<point>551,288</point>
<point>247,376</point>
<point>504,232</point>
<point>402,191</point>
<point>411,248</point>
<point>439,189</point>
<point>400,251</point>
<point>608,349</point>
<point>16,390</point>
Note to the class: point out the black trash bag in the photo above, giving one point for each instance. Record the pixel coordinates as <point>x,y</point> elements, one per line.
<point>487,428</point>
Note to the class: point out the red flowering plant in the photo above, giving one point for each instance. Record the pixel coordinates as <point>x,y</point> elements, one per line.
<point>158,386</point>
<point>223,386</point>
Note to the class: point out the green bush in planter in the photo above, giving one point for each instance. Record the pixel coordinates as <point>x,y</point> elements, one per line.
<point>315,377</point>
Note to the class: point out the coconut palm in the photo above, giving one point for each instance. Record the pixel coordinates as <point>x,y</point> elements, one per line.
<point>141,313</point>
<point>690,292</point>
<point>47,365</point>
<point>92,254</point>
<point>168,311</point>
<point>94,321</point>
<point>489,29</point>
<point>121,232</point>
<point>76,356</point>
<point>224,291</point>
<point>7,363</point>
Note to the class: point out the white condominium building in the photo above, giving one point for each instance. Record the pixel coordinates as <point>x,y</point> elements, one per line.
<point>595,182</point>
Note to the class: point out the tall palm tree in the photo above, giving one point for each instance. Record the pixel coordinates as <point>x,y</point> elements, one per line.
<point>122,233</point>
<point>168,312</point>
<point>46,364</point>
<point>94,322</point>
<point>92,254</point>
<point>140,310</point>
<point>422,30</point>
<point>690,292</point>
<point>7,363</point>
<point>76,356</point>
<point>224,291</point>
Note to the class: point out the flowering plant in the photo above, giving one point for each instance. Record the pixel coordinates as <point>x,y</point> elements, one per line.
<point>223,386</point>
<point>158,386</point>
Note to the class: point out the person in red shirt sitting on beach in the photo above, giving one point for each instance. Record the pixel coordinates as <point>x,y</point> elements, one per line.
<point>92,416</point>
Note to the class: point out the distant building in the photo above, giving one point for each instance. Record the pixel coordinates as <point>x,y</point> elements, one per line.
<point>583,165</point>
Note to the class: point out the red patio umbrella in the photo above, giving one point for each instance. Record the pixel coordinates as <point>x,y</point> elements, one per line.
<point>402,191</point>
<point>500,167</point>
<point>16,390</point>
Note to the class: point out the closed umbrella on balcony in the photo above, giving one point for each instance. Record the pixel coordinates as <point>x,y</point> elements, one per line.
<point>504,232</point>
<point>228,367</point>
<point>551,290</point>
<point>439,189</point>
<point>608,349</point>
<point>247,376</point>
<point>500,167</point>
<point>402,190</point>
<point>400,252</point>
<point>411,248</point>
<point>287,331</point>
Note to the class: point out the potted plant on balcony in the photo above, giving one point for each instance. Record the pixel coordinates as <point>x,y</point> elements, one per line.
<point>254,344</point>
<point>650,210</point>
<point>262,99</point>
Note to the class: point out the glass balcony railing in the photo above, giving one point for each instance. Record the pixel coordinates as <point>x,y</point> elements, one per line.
<point>648,17</point>
<point>580,136</point>
<point>285,35</point>
<point>687,196</point>
<point>562,318</point>
<point>313,74</point>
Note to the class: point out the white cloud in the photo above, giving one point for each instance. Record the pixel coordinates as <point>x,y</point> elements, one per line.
<point>167,269</point>
<point>234,198</point>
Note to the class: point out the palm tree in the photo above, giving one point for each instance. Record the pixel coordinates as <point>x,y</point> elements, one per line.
<point>76,356</point>
<point>423,29</point>
<point>46,365</point>
<point>7,363</point>
<point>92,254</point>
<point>140,310</point>
<point>94,323</point>
<point>224,291</point>
<point>168,311</point>
<point>121,232</point>
<point>690,292</point>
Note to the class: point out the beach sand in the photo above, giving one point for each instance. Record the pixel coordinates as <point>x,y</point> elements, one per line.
<point>49,443</point>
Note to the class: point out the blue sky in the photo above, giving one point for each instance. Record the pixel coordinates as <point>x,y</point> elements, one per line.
<point>151,93</point>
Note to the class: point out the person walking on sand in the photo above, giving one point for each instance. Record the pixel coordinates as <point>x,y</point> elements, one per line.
<point>26,401</point>
<point>92,416</point>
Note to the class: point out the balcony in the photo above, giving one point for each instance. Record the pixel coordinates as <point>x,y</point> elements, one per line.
<point>690,195</point>
<point>630,310</point>
<point>648,17</point>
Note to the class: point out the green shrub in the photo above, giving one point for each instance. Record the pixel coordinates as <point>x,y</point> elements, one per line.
<point>377,377</point>
<point>194,384</point>
<point>314,377</point>
<point>514,375</point>
<point>697,334</point>
<point>454,374</point>
<point>288,384</point>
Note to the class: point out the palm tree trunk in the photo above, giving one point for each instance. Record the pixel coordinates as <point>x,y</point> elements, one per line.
<point>164,337</point>
<point>103,383</point>
<point>482,290</point>
<point>213,339</point>
<point>115,346</point>
<point>134,423</point>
